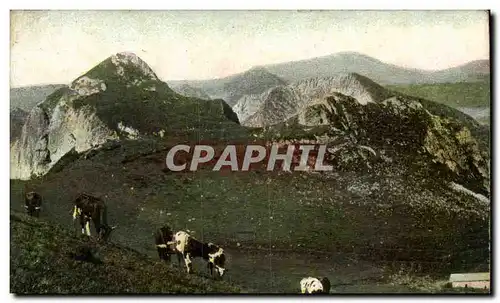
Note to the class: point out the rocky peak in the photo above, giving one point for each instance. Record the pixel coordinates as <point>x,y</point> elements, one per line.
<point>126,59</point>
<point>122,69</point>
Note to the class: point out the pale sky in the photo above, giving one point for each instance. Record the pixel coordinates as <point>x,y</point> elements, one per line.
<point>58,46</point>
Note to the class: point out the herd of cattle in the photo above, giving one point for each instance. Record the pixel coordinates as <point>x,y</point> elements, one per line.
<point>88,208</point>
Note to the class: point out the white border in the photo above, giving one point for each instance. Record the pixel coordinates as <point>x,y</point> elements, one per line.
<point>199,4</point>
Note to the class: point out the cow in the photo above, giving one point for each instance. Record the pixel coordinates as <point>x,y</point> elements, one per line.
<point>312,285</point>
<point>33,203</point>
<point>164,243</point>
<point>189,248</point>
<point>89,208</point>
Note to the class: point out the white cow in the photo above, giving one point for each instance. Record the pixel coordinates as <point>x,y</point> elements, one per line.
<point>189,248</point>
<point>312,285</point>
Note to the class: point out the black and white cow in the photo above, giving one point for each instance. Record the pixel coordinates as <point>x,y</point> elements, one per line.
<point>89,208</point>
<point>190,248</point>
<point>33,203</point>
<point>165,243</point>
<point>312,285</point>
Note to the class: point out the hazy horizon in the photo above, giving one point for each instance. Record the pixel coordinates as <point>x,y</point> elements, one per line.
<point>55,47</point>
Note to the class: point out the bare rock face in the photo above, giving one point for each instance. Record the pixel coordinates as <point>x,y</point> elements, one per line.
<point>29,154</point>
<point>256,111</point>
<point>51,132</point>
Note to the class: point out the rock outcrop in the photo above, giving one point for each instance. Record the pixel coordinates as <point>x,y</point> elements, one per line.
<point>280,103</point>
<point>403,128</point>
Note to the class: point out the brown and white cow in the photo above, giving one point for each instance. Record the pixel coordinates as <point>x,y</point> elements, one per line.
<point>188,247</point>
<point>311,285</point>
<point>33,203</point>
<point>89,208</point>
<point>164,243</point>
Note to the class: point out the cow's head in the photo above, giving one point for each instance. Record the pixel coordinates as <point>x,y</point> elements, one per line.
<point>105,232</point>
<point>30,195</point>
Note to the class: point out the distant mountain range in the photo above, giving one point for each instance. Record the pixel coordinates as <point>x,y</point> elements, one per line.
<point>259,79</point>
<point>27,97</point>
<point>378,71</point>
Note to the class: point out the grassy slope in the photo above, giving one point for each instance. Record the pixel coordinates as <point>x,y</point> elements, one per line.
<point>40,262</point>
<point>471,94</point>
<point>409,220</point>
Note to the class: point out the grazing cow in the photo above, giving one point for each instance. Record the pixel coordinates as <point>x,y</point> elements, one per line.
<point>312,285</point>
<point>164,243</point>
<point>189,248</point>
<point>33,203</point>
<point>89,208</point>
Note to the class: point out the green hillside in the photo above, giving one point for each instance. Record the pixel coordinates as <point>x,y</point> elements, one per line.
<point>42,262</point>
<point>464,94</point>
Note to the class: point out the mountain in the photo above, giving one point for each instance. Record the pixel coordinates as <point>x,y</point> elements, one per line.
<point>254,81</point>
<point>380,72</point>
<point>27,97</point>
<point>189,91</point>
<point>119,98</point>
<point>17,117</point>
<point>259,79</point>
<point>473,71</point>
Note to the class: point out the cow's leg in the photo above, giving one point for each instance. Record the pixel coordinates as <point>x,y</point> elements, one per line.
<point>82,224</point>
<point>187,260</point>
<point>87,228</point>
<point>75,212</point>
<point>160,254</point>
<point>210,267</point>
<point>179,258</point>
<point>97,224</point>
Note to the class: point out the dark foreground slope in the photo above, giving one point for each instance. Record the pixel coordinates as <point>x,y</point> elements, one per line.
<point>41,262</point>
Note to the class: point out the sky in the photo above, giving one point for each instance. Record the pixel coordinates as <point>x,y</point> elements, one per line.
<point>58,46</point>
